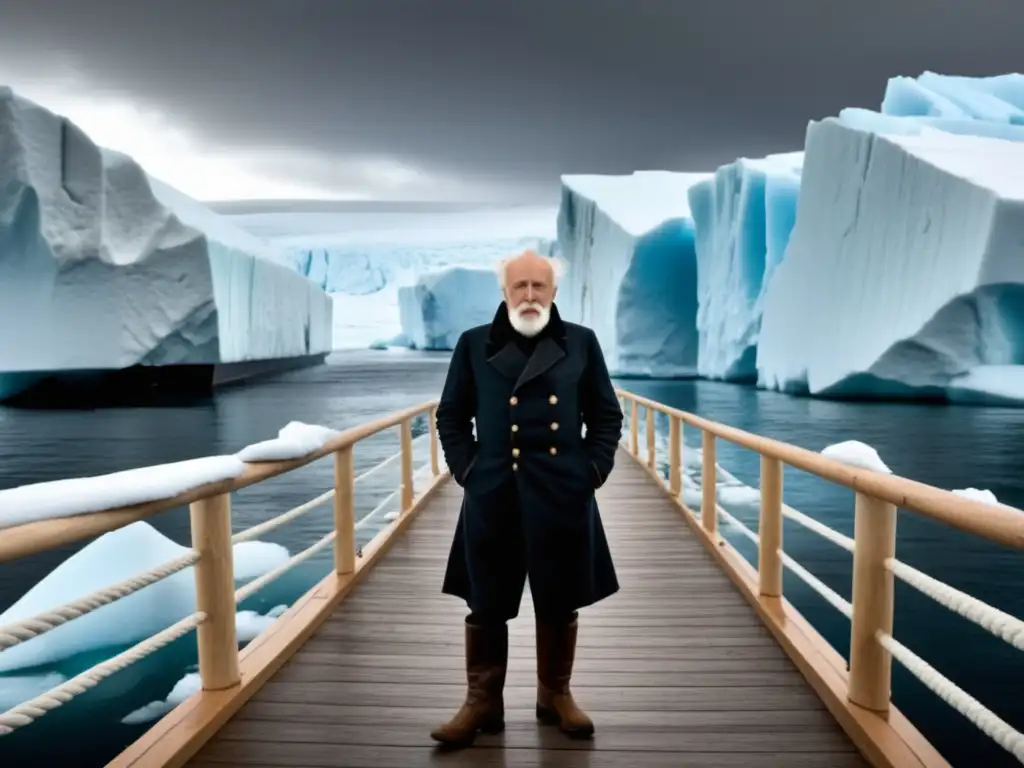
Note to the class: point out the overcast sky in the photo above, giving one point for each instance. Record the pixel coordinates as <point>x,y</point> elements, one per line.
<point>472,99</point>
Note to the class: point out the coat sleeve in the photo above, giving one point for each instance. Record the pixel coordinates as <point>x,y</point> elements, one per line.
<point>601,413</point>
<point>455,413</point>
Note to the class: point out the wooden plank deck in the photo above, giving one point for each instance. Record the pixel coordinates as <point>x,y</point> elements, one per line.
<point>676,669</point>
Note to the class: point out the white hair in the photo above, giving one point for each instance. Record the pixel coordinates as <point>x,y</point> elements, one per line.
<point>558,269</point>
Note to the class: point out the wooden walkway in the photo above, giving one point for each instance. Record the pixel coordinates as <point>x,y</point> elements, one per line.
<point>676,669</point>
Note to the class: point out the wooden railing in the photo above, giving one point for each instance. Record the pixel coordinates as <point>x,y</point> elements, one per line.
<point>857,693</point>
<point>212,558</point>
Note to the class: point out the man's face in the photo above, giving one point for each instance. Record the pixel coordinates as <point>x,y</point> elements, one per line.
<point>529,292</point>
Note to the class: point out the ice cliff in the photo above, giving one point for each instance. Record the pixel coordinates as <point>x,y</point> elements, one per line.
<point>743,216</point>
<point>441,305</point>
<point>102,267</point>
<point>904,273</point>
<point>632,269</point>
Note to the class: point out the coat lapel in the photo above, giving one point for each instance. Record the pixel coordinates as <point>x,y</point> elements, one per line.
<point>506,357</point>
<point>547,353</point>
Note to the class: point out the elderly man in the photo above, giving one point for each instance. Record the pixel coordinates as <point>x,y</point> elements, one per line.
<point>531,382</point>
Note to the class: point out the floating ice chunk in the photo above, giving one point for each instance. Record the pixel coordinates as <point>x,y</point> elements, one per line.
<point>739,495</point>
<point>293,441</point>
<point>441,305</point>
<point>185,688</point>
<point>250,624</point>
<point>76,496</point>
<point>856,454</point>
<point>115,557</point>
<point>17,689</point>
<point>742,222</point>
<point>982,495</point>
<point>632,268</point>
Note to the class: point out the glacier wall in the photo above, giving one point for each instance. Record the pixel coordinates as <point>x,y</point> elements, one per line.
<point>904,273</point>
<point>629,245</point>
<point>441,305</point>
<point>742,216</point>
<point>103,268</point>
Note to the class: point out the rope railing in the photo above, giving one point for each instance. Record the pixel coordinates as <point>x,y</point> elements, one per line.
<point>30,711</point>
<point>35,626</point>
<point>875,563</point>
<point>342,536</point>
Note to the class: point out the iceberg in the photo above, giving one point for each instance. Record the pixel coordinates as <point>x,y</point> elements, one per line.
<point>364,278</point>
<point>974,106</point>
<point>632,268</point>
<point>743,216</point>
<point>441,305</point>
<point>103,268</point>
<point>112,558</point>
<point>904,274</point>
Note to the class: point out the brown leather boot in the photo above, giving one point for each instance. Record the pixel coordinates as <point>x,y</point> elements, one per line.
<point>556,652</point>
<point>484,708</point>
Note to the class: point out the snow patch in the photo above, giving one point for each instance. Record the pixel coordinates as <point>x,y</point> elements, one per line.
<point>856,454</point>
<point>293,441</point>
<point>80,495</point>
<point>981,495</point>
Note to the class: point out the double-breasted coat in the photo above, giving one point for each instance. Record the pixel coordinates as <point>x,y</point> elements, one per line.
<point>529,475</point>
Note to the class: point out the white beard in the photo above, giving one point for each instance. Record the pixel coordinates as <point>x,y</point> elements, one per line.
<point>529,326</point>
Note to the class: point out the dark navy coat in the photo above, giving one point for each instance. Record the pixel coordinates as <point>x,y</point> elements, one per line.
<point>529,475</point>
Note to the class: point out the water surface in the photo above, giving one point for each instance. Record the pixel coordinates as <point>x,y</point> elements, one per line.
<point>948,446</point>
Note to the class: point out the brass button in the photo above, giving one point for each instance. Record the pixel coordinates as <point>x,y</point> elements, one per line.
<point>513,400</point>
<point>515,467</point>
<point>515,427</point>
<point>553,400</point>
<point>554,426</point>
<point>515,451</point>
<point>553,450</point>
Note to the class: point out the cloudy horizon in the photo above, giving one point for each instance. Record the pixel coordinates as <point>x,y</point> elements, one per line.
<point>457,100</point>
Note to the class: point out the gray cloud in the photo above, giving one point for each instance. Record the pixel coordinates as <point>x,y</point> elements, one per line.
<point>498,97</point>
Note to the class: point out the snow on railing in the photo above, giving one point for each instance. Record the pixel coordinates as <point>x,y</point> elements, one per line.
<point>296,443</point>
<point>869,680</point>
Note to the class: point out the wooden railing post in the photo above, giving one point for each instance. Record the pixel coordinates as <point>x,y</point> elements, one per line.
<point>873,602</point>
<point>634,428</point>
<point>675,457</point>
<point>344,511</point>
<point>215,592</point>
<point>435,464</point>
<point>709,494</point>
<point>769,562</point>
<point>651,435</point>
<point>408,492</point>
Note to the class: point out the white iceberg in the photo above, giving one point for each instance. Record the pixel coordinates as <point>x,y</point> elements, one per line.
<point>103,268</point>
<point>904,273</point>
<point>632,268</point>
<point>441,305</point>
<point>743,216</point>
<point>115,557</point>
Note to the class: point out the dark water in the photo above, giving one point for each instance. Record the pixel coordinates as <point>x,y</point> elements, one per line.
<point>951,447</point>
